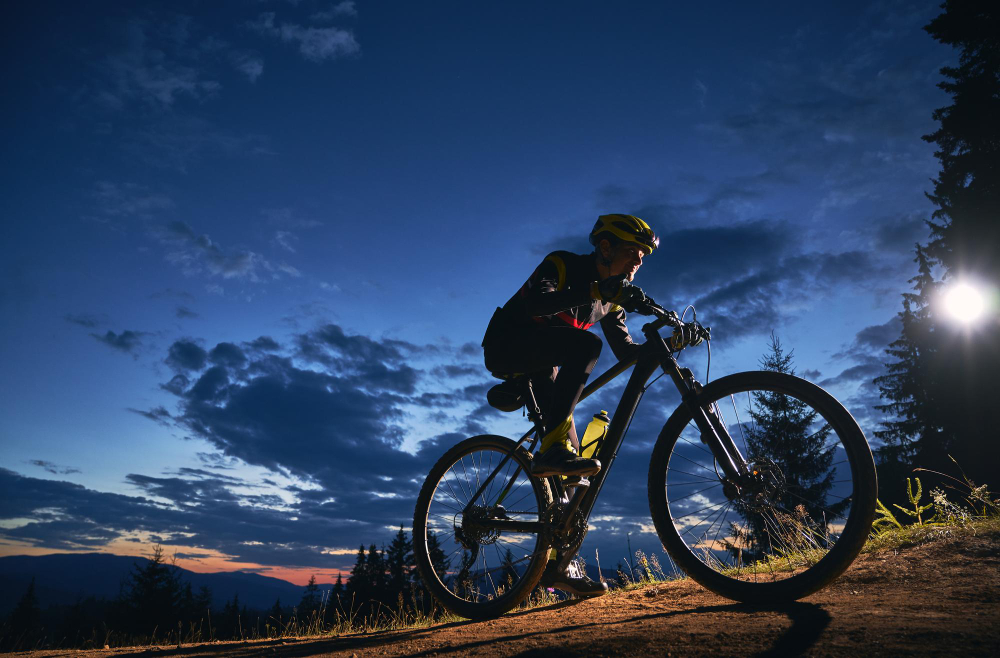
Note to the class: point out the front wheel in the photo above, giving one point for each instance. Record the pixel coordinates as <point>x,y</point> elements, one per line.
<point>473,570</point>
<point>799,517</point>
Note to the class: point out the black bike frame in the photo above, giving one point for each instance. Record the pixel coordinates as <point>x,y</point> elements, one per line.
<point>654,354</point>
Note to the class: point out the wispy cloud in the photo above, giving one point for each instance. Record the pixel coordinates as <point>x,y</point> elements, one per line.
<point>197,254</point>
<point>345,8</point>
<point>55,469</point>
<point>316,44</point>
<point>118,202</point>
<point>127,341</point>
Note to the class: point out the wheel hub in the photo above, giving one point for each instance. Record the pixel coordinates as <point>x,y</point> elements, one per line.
<point>764,485</point>
<point>470,530</point>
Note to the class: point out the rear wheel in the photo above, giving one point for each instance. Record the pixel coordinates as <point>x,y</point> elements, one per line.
<point>800,517</point>
<point>472,570</point>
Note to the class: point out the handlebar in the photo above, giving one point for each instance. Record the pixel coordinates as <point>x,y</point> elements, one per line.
<point>665,318</point>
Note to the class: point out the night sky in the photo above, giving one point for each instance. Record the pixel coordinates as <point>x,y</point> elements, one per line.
<point>250,248</point>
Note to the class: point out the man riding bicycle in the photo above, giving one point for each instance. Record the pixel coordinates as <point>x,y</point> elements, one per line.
<point>541,330</point>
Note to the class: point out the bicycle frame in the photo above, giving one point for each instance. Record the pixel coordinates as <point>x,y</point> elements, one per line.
<point>654,354</point>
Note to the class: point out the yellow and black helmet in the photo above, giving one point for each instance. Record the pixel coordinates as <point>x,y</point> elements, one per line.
<point>624,228</point>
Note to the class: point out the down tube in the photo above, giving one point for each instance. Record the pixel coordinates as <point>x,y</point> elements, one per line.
<point>644,368</point>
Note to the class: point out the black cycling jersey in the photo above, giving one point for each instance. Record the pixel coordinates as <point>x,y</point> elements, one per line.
<point>557,294</point>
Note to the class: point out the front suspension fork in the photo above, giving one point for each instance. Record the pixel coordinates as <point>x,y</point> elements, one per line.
<point>713,431</point>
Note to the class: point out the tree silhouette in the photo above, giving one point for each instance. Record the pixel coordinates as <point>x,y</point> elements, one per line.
<point>359,587</point>
<point>151,596</point>
<point>786,433</point>
<point>439,560</point>
<point>337,595</point>
<point>24,623</point>
<point>311,600</point>
<point>399,560</point>
<point>940,390</point>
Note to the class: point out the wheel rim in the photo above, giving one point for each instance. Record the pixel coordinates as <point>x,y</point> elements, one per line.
<point>792,510</point>
<point>477,564</point>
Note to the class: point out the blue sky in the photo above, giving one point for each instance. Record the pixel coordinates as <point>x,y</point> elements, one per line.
<point>249,249</point>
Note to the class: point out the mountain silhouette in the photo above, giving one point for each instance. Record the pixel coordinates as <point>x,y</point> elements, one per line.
<point>66,578</point>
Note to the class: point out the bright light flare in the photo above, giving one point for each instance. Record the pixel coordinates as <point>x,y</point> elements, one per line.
<point>964,302</point>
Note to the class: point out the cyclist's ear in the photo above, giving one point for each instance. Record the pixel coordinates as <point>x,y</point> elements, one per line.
<point>604,251</point>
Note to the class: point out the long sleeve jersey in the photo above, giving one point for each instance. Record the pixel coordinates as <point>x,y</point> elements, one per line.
<point>557,294</point>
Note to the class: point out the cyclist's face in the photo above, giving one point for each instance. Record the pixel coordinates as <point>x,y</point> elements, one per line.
<point>626,259</point>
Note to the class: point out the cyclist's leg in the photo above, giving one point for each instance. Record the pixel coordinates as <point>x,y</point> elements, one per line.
<point>575,353</point>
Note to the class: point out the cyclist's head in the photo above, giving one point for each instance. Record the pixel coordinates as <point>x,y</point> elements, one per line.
<point>628,238</point>
<point>617,228</point>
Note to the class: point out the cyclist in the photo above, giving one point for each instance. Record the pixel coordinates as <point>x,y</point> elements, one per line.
<point>541,330</point>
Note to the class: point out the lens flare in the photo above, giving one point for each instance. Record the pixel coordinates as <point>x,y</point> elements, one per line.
<point>964,302</point>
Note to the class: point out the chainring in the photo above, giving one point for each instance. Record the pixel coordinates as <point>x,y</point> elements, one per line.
<point>569,539</point>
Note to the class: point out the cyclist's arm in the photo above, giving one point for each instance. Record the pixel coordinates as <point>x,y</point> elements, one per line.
<point>546,293</point>
<point>621,343</point>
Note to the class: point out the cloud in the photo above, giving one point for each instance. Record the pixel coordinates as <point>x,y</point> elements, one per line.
<point>879,336</point>
<point>863,372</point>
<point>183,312</point>
<point>88,320</point>
<point>127,341</point>
<point>158,415</point>
<point>174,141</point>
<point>346,8</point>
<point>315,43</point>
<point>198,254</point>
<point>156,67</point>
<point>55,469</point>
<point>285,240</point>
<point>185,355</point>
<point>248,64</point>
<point>127,201</point>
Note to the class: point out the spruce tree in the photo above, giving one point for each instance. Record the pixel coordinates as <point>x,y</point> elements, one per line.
<point>151,595</point>
<point>941,388</point>
<point>310,603</point>
<point>358,584</point>
<point>337,595</point>
<point>398,558</point>
<point>786,433</point>
<point>24,625</point>
<point>376,571</point>
<point>439,560</point>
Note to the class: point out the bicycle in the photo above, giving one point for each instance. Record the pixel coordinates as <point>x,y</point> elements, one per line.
<point>749,527</point>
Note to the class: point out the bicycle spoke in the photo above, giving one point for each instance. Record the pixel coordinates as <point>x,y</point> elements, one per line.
<point>789,511</point>
<point>674,500</point>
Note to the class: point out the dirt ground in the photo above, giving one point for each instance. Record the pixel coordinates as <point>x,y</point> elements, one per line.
<point>941,598</point>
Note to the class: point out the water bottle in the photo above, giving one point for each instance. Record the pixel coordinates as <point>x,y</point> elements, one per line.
<point>597,429</point>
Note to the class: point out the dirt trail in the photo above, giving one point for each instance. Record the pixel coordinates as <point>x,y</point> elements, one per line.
<point>941,598</point>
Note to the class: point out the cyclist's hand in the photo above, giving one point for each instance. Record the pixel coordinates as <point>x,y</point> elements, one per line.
<point>686,335</point>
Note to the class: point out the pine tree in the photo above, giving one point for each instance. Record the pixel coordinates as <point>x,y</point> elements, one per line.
<point>151,595</point>
<point>782,431</point>
<point>310,602</point>
<point>276,616</point>
<point>337,595</point>
<point>911,431</point>
<point>398,558</point>
<point>509,569</point>
<point>377,577</point>
<point>24,623</point>
<point>439,560</point>
<point>359,584</point>
<point>941,388</point>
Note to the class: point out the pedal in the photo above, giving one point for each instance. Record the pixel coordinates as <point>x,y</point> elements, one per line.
<point>571,481</point>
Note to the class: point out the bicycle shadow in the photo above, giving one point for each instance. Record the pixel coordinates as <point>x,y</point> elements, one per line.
<point>809,620</point>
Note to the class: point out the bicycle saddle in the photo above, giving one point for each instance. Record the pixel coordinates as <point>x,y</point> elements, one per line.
<point>508,395</point>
